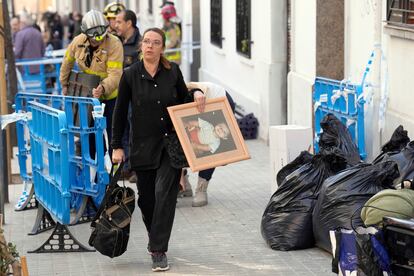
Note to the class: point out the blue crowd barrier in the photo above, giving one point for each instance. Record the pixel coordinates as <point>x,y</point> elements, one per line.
<point>345,101</point>
<point>49,148</point>
<point>46,78</point>
<point>86,174</point>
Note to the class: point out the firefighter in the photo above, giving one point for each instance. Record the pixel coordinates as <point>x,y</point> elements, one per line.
<point>100,53</point>
<point>110,12</point>
<point>172,31</point>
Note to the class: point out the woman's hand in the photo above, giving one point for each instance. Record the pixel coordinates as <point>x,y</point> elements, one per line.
<point>200,99</point>
<point>118,156</point>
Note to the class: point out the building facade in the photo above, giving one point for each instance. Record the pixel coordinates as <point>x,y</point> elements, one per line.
<point>347,33</point>
<point>244,49</point>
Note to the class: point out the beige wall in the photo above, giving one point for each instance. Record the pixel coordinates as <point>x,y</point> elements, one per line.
<point>32,6</point>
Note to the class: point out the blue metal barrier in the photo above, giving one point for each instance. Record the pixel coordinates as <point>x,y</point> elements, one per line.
<point>86,175</point>
<point>49,148</point>
<point>346,102</point>
<point>45,81</point>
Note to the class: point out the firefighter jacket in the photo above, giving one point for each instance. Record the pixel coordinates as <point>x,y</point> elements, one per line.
<point>173,41</point>
<point>105,63</point>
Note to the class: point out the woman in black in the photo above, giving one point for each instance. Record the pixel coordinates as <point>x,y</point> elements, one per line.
<point>152,85</point>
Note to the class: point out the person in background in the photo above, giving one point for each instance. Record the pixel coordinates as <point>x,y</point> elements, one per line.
<point>56,32</point>
<point>96,52</point>
<point>211,91</point>
<point>75,25</point>
<point>110,12</point>
<point>29,42</point>
<point>172,32</point>
<point>127,30</point>
<point>126,22</point>
<point>15,27</point>
<point>150,86</point>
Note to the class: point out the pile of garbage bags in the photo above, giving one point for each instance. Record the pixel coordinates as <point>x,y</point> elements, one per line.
<point>335,189</point>
<point>287,224</point>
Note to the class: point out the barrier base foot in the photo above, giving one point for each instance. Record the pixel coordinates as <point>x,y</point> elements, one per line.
<point>43,221</point>
<point>32,204</point>
<point>27,201</point>
<point>61,240</point>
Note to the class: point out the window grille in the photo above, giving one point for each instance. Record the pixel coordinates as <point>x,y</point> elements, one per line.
<point>400,13</point>
<point>150,6</point>
<point>243,21</point>
<point>216,23</point>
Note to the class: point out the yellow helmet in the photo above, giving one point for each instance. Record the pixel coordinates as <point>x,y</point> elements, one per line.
<point>112,9</point>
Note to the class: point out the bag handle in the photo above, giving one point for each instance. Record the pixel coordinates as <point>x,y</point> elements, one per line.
<point>112,185</point>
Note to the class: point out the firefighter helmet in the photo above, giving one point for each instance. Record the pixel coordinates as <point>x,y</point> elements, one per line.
<point>168,12</point>
<point>94,25</point>
<point>112,9</point>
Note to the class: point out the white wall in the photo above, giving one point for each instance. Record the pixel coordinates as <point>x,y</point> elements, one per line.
<point>400,108</point>
<point>362,37</point>
<point>303,62</point>
<point>258,83</point>
<point>359,37</point>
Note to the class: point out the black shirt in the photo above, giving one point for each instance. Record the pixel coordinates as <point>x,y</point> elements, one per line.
<point>149,98</point>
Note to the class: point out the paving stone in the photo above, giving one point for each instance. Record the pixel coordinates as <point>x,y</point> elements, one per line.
<point>222,238</point>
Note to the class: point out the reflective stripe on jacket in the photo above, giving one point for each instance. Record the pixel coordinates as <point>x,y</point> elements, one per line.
<point>176,55</point>
<point>106,62</point>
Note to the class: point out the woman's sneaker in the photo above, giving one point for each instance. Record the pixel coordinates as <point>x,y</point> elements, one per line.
<point>159,261</point>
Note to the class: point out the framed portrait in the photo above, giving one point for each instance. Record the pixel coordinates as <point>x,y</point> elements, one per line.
<point>211,138</point>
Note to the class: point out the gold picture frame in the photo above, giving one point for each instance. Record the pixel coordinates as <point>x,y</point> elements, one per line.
<point>217,125</point>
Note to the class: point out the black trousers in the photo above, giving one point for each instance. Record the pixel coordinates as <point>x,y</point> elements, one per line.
<point>157,190</point>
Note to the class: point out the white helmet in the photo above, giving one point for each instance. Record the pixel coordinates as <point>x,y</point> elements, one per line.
<point>94,25</point>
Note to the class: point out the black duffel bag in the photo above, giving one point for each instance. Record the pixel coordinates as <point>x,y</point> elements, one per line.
<point>110,226</point>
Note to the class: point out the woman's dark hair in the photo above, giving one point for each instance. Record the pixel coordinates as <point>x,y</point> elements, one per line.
<point>130,15</point>
<point>164,61</point>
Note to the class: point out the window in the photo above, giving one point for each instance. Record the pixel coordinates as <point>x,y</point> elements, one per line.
<point>243,42</point>
<point>150,6</point>
<point>216,23</point>
<point>400,12</point>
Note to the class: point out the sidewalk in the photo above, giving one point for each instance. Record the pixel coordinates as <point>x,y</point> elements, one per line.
<point>222,238</point>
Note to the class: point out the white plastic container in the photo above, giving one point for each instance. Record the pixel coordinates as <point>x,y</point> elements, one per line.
<point>286,143</point>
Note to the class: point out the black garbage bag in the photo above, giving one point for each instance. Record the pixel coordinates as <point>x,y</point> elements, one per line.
<point>287,220</point>
<point>398,141</point>
<point>404,160</point>
<point>343,195</point>
<point>303,158</point>
<point>335,134</point>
